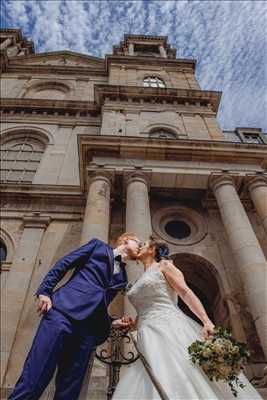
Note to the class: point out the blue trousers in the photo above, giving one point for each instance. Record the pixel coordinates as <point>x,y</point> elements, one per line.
<point>59,343</point>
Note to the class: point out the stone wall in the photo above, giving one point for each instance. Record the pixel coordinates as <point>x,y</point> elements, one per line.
<point>50,86</point>
<point>59,164</point>
<point>133,75</point>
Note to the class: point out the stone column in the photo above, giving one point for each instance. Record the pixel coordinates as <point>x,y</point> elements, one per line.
<point>257,186</point>
<point>6,43</point>
<point>97,210</point>
<point>18,281</point>
<point>96,225</point>
<point>162,51</point>
<point>246,250</point>
<point>138,219</point>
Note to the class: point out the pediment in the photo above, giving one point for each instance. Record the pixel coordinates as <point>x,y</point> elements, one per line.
<point>60,59</point>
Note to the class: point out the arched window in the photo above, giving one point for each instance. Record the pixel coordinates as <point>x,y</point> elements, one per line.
<point>3,252</point>
<point>162,133</point>
<point>20,158</point>
<point>48,90</point>
<point>153,81</point>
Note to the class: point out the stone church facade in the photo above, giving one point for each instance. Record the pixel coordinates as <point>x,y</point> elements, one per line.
<point>94,147</point>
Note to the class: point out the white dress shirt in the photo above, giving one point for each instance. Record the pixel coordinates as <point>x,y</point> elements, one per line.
<point>117,267</point>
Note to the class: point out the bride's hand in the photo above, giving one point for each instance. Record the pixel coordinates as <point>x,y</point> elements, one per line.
<point>208,329</point>
<point>120,323</point>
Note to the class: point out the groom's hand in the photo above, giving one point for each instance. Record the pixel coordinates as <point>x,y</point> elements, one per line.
<point>44,304</point>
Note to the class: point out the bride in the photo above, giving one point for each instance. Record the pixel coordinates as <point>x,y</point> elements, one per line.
<point>163,334</point>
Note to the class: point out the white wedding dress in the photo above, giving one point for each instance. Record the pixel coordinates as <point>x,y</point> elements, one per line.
<point>164,333</point>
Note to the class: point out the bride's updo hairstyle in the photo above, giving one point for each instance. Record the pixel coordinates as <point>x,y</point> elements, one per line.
<point>161,248</point>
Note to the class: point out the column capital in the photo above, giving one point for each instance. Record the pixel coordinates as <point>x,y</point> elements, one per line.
<point>36,220</point>
<point>137,176</point>
<point>218,180</point>
<point>255,181</point>
<point>107,175</point>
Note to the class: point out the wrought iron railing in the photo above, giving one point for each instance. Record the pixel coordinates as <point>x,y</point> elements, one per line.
<point>115,355</point>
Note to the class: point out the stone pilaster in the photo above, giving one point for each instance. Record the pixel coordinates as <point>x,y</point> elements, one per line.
<point>246,249</point>
<point>257,186</point>
<point>18,281</point>
<point>97,210</point>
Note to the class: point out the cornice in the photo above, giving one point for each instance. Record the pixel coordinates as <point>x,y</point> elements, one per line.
<point>36,190</point>
<point>52,54</point>
<point>135,96</point>
<point>12,65</point>
<point>72,107</point>
<point>174,149</point>
<point>54,69</point>
<point>214,154</point>
<point>9,31</point>
<point>151,61</point>
<point>57,200</point>
<point>131,37</point>
<point>204,97</point>
<point>16,65</point>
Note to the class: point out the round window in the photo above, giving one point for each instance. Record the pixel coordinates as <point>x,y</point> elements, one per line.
<point>178,229</point>
<point>179,225</point>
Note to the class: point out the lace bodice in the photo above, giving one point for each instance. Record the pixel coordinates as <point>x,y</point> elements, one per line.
<point>153,297</point>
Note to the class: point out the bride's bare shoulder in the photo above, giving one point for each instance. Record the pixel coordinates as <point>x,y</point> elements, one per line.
<point>168,266</point>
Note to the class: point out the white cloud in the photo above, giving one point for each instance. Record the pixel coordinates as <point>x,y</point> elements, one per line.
<point>228,38</point>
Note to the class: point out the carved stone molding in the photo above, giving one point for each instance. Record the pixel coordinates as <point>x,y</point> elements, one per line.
<point>137,175</point>
<point>96,174</point>
<point>255,181</point>
<point>36,220</point>
<point>217,180</point>
<point>194,220</point>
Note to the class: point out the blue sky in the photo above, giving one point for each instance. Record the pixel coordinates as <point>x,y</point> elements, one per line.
<point>228,39</point>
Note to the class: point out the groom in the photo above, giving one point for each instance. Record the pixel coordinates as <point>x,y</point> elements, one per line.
<point>75,317</point>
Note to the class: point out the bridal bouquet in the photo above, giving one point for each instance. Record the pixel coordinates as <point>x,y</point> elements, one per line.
<point>221,357</point>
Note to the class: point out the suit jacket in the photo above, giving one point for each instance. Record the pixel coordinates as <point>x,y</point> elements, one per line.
<point>91,287</point>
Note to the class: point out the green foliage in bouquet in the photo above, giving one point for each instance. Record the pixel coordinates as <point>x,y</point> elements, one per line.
<point>221,357</point>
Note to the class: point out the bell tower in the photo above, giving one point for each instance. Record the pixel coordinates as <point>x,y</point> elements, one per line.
<point>150,90</point>
<point>145,46</point>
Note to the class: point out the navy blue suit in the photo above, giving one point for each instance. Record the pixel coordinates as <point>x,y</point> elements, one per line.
<point>78,321</point>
